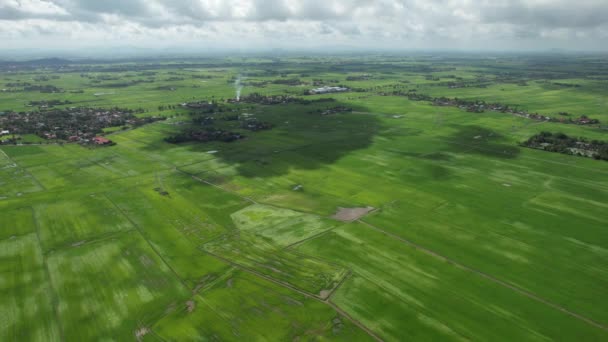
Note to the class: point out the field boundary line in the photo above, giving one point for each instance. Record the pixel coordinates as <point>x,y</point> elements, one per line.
<point>93,240</point>
<point>489,277</point>
<point>354,321</point>
<point>201,180</point>
<point>304,293</point>
<point>347,276</point>
<point>269,278</point>
<point>193,294</point>
<point>147,241</point>
<point>47,272</point>
<point>400,299</point>
<point>526,157</point>
<point>299,242</point>
<point>215,185</point>
<point>7,157</point>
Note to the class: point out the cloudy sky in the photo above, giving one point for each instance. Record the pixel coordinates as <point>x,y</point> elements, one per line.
<point>302,24</point>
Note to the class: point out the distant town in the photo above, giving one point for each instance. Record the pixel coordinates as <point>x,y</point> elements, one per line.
<point>75,124</point>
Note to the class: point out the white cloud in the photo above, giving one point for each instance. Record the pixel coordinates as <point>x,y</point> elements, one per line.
<point>363,23</point>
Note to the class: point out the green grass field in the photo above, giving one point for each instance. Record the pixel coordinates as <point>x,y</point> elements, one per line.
<point>471,236</point>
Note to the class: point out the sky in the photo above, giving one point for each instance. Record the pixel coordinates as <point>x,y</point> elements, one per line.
<point>305,24</point>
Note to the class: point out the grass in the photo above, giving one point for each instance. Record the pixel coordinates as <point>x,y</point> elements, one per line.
<point>240,305</point>
<point>16,222</point>
<point>259,255</point>
<point>408,294</point>
<point>26,302</point>
<point>282,226</point>
<point>143,287</point>
<point>170,242</point>
<point>74,222</point>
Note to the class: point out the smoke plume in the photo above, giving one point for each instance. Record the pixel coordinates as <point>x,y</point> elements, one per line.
<point>238,86</point>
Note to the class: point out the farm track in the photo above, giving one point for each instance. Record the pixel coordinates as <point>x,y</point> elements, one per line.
<point>488,277</point>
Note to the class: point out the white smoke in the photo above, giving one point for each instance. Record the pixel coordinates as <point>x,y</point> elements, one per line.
<point>238,86</point>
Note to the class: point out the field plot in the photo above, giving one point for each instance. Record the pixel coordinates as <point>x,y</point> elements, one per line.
<point>384,212</point>
<point>242,306</point>
<point>5,161</point>
<point>282,226</point>
<point>16,222</point>
<point>142,288</point>
<point>178,222</point>
<point>258,255</point>
<point>403,293</point>
<point>74,222</point>
<point>26,307</point>
<point>16,181</point>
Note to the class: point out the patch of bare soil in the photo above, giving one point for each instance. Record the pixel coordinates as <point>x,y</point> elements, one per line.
<point>351,214</point>
<point>141,332</point>
<point>324,294</point>
<point>190,305</point>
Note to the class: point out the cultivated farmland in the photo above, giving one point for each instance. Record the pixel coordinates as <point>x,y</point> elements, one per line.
<point>390,211</point>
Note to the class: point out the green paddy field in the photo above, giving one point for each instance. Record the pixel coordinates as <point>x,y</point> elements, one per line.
<point>471,236</point>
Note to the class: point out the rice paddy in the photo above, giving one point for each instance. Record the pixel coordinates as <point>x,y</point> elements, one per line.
<point>398,220</point>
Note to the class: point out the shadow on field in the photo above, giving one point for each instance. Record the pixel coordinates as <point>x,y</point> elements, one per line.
<point>482,141</point>
<point>301,138</point>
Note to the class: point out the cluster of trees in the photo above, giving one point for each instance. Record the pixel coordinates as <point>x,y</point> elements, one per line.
<point>567,85</point>
<point>17,84</point>
<point>44,78</point>
<point>280,99</point>
<point>167,107</point>
<point>43,88</point>
<point>359,77</point>
<point>334,110</point>
<point>123,84</point>
<point>49,103</point>
<point>562,143</point>
<point>288,81</point>
<point>204,120</point>
<point>481,106</point>
<point>256,125</point>
<point>202,77</point>
<point>204,135</point>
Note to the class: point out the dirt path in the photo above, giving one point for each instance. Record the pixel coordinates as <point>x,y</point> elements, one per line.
<point>488,277</point>
<point>351,214</point>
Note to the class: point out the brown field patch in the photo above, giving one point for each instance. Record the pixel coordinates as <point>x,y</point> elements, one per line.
<point>351,214</point>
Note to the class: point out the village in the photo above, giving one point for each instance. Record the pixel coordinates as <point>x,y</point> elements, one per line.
<point>270,100</point>
<point>76,124</point>
<point>482,106</point>
<point>326,90</point>
<point>561,143</point>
